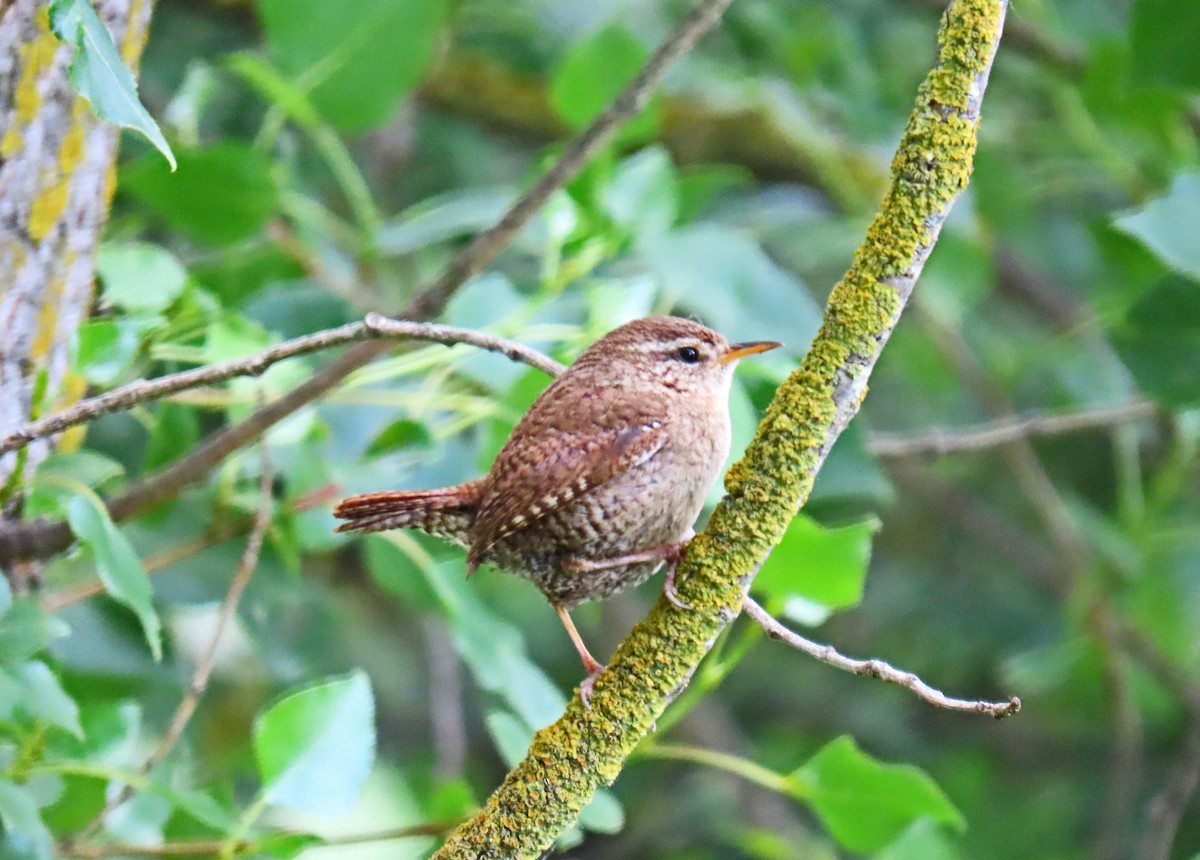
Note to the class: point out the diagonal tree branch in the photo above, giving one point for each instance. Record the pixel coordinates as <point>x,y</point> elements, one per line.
<point>626,105</point>
<point>198,684</point>
<point>569,760</point>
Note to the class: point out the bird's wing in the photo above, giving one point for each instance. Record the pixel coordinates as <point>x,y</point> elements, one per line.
<point>540,475</point>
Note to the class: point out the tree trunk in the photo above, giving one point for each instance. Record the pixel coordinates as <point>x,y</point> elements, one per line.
<point>56,181</point>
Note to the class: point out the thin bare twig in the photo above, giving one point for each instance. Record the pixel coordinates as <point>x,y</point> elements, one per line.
<point>372,326</point>
<point>876,669</point>
<point>1005,430</point>
<point>446,713</point>
<point>204,666</point>
<point>44,538</point>
<point>205,847</point>
<point>1125,766</point>
<point>1169,805</point>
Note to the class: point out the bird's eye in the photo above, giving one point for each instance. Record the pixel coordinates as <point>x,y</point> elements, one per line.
<point>688,354</point>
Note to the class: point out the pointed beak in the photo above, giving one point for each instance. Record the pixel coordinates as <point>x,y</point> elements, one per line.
<point>741,350</point>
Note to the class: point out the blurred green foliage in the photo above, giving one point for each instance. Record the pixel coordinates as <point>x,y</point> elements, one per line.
<point>327,166</point>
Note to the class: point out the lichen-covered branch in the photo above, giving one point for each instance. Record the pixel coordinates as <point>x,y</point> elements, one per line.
<point>585,749</point>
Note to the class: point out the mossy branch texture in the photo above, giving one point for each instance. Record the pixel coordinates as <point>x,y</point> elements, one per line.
<point>586,748</point>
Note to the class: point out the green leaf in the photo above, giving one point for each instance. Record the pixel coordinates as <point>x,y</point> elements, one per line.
<point>511,736</point>
<point>82,799</point>
<point>603,814</point>
<point>53,484</point>
<point>642,195</point>
<point>92,469</point>
<point>866,804</point>
<point>100,75</point>
<point>451,800</point>
<point>117,564</point>
<point>23,826</point>
<point>816,570</point>
<point>105,348</point>
<point>175,431</point>
<point>1159,341</point>
<point>922,841</point>
<point>1167,224</point>
<point>492,649</point>
<point>6,597</point>
<point>316,747</point>
<point>396,574</point>
<point>287,845</point>
<point>402,433</point>
<point>726,278</point>
<point>39,694</point>
<point>697,185</point>
<point>357,62</point>
<point>592,74</point>
<point>1163,36</point>
<point>851,475</point>
<point>221,193</point>
<point>26,630</point>
<point>139,277</point>
<point>446,216</point>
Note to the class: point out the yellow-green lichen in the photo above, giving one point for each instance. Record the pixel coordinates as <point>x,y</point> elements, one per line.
<point>135,36</point>
<point>47,318</point>
<point>586,748</point>
<point>11,144</point>
<point>48,206</point>
<point>37,56</point>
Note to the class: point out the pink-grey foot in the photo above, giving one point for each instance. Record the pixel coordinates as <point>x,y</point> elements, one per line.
<point>593,666</point>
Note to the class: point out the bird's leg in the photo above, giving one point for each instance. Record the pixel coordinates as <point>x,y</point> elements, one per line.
<point>669,552</point>
<point>590,663</point>
<point>669,591</point>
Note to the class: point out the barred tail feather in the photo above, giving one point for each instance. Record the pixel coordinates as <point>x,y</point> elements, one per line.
<point>446,512</point>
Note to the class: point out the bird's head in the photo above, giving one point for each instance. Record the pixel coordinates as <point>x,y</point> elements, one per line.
<point>676,353</point>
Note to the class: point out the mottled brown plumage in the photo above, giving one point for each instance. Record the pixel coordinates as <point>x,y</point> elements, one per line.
<point>602,479</point>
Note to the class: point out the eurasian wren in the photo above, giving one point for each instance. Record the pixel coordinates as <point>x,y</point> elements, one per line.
<point>601,480</point>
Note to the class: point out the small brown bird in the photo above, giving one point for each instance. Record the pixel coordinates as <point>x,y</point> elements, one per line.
<point>601,480</point>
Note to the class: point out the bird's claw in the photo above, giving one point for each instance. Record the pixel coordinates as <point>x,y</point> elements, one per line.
<point>669,591</point>
<point>585,689</point>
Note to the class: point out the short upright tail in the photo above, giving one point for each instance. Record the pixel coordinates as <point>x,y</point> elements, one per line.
<point>446,512</point>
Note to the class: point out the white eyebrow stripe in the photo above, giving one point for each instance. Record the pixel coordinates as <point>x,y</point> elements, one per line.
<point>671,344</point>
